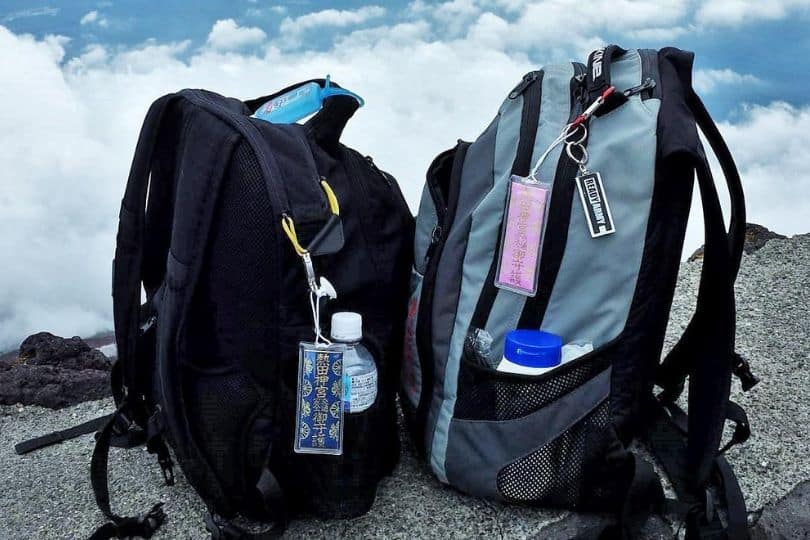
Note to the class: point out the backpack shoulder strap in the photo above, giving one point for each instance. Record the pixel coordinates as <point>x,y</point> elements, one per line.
<point>127,312</point>
<point>687,445</point>
<point>129,253</point>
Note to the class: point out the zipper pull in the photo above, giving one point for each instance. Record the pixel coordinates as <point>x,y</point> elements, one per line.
<point>528,79</point>
<point>376,169</point>
<point>648,84</point>
<point>435,236</point>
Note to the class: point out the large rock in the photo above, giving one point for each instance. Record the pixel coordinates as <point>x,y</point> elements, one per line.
<point>786,518</point>
<point>55,372</point>
<point>756,236</point>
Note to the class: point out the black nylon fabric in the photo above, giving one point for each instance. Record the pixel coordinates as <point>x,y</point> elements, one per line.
<point>231,302</point>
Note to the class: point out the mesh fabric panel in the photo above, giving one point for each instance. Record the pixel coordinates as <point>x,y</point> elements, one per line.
<point>485,394</point>
<point>553,474</point>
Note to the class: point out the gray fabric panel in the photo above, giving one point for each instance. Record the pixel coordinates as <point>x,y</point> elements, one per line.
<point>480,449</point>
<point>556,108</point>
<point>425,223</point>
<point>483,235</point>
<point>411,372</point>
<point>597,277</point>
<point>476,180</point>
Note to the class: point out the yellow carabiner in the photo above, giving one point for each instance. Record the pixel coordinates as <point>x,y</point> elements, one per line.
<point>331,197</point>
<point>289,228</point>
<point>288,224</point>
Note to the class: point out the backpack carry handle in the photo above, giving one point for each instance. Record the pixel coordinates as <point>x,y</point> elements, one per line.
<point>597,79</point>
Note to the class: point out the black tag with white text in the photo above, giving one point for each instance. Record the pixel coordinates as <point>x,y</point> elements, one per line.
<point>595,204</point>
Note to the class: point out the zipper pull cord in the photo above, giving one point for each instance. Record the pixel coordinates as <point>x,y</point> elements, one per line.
<point>521,87</point>
<point>648,84</point>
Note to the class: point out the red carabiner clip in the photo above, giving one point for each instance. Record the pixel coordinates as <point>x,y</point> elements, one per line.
<point>587,113</point>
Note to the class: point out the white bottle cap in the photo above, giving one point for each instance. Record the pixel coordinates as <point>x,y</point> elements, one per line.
<point>347,326</point>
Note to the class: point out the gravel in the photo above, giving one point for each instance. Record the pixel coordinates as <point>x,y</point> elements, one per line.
<point>47,494</point>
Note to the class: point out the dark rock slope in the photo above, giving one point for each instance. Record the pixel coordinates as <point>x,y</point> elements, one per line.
<point>756,236</point>
<point>53,372</point>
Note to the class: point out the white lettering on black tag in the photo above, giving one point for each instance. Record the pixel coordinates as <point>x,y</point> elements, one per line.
<point>595,204</point>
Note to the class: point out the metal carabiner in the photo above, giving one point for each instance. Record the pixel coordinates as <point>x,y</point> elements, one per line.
<point>573,131</point>
<point>581,161</point>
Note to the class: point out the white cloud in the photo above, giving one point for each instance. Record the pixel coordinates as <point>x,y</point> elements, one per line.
<point>738,12</point>
<point>226,35</point>
<point>64,169</point>
<point>770,147</point>
<point>291,27</point>
<point>707,80</point>
<point>659,34</point>
<point>93,17</point>
<point>33,12</point>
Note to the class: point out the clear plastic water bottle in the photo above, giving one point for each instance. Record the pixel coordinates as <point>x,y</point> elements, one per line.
<point>359,369</point>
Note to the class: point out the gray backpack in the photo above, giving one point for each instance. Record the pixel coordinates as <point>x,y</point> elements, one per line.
<point>615,146</point>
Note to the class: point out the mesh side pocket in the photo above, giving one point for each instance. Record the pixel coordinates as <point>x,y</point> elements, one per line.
<point>553,475</point>
<point>485,394</point>
<point>219,407</point>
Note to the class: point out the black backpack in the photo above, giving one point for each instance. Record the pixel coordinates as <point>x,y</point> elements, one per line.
<point>608,263</point>
<point>208,365</point>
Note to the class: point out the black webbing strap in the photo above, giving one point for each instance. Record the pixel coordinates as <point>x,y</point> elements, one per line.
<point>677,365</point>
<point>742,429</point>
<point>270,491</point>
<point>91,426</point>
<point>710,373</point>
<point>598,78</point>
<point>686,446</point>
<point>736,234</point>
<point>273,501</point>
<point>143,526</point>
<point>667,438</point>
<point>736,513</point>
<point>127,265</point>
<point>644,496</point>
<point>521,166</point>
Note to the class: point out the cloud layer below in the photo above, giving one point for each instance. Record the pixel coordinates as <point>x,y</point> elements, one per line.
<point>75,122</point>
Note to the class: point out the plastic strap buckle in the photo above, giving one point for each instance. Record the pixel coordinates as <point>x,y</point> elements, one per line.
<point>670,394</point>
<point>742,370</point>
<point>221,529</point>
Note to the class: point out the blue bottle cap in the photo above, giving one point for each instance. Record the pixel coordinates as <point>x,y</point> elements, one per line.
<point>533,348</point>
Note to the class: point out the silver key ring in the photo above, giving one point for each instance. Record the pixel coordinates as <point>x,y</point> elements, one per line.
<point>580,161</point>
<point>581,139</point>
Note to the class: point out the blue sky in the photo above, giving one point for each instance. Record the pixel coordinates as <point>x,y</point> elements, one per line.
<point>776,51</point>
<point>77,77</point>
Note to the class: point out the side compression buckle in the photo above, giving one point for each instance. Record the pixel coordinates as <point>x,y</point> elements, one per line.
<point>156,445</point>
<point>166,467</point>
<point>742,369</point>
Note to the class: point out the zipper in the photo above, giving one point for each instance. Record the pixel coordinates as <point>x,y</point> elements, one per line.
<point>530,119</point>
<point>559,215</point>
<point>648,84</point>
<point>370,161</point>
<point>521,87</point>
<point>392,183</point>
<point>439,204</point>
<point>424,317</point>
<point>435,238</point>
<point>649,70</point>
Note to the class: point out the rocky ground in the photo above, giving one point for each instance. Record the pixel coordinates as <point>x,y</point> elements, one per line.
<point>47,494</point>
